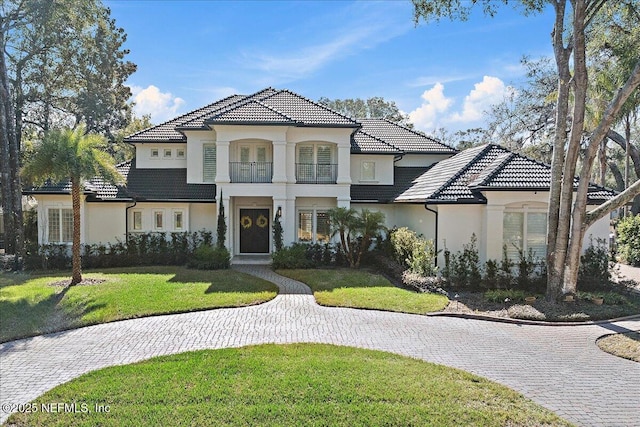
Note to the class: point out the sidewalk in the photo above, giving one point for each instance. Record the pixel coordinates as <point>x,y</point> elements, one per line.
<point>627,272</point>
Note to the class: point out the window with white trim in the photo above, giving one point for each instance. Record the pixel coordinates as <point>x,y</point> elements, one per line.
<point>155,153</point>
<point>178,220</point>
<point>60,225</point>
<point>367,171</point>
<point>168,152</point>
<point>209,163</point>
<point>137,220</point>
<point>313,225</point>
<point>180,153</point>
<point>525,231</point>
<point>158,220</point>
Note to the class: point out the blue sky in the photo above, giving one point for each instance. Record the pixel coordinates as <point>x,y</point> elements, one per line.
<point>191,53</point>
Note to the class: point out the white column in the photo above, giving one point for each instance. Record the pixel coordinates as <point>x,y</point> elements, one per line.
<point>279,162</point>
<point>344,164</point>
<point>222,162</point>
<point>289,222</point>
<point>291,163</point>
<point>343,202</point>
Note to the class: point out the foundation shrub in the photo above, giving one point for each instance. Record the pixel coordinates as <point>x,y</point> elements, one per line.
<point>593,273</point>
<point>208,257</point>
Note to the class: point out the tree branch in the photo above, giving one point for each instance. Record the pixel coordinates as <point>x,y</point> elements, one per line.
<point>618,201</point>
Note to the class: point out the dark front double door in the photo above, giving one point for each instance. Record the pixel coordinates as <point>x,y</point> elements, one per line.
<point>254,231</point>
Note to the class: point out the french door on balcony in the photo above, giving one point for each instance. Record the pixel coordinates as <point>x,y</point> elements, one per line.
<point>254,164</point>
<point>315,164</point>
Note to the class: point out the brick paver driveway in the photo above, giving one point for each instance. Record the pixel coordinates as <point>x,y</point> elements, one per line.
<point>559,367</point>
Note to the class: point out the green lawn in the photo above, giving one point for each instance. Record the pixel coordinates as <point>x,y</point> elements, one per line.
<point>31,305</point>
<point>292,385</point>
<point>361,289</point>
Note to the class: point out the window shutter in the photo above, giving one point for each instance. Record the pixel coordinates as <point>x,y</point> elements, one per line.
<point>209,163</point>
<point>324,155</point>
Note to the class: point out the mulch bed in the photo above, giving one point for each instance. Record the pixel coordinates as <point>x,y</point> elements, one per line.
<point>85,282</point>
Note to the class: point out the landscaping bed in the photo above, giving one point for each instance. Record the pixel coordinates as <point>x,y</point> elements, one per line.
<point>625,345</point>
<point>580,310</point>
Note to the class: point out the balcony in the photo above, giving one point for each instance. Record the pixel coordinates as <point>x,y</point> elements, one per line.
<point>310,173</point>
<point>251,172</point>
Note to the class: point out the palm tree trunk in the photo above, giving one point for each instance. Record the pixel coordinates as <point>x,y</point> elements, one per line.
<point>76,262</point>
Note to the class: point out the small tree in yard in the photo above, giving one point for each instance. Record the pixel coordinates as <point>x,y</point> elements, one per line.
<point>70,154</point>
<point>221,232</point>
<point>356,231</point>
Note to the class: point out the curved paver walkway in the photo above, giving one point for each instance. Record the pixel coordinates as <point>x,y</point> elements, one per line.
<point>558,367</point>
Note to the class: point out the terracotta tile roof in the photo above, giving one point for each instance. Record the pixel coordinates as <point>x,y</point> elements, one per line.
<point>404,139</point>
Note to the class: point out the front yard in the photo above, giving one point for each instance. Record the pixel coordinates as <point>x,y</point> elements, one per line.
<point>296,385</point>
<point>33,305</point>
<point>361,289</point>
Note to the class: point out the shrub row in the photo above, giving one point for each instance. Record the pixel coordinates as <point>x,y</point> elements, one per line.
<point>139,249</point>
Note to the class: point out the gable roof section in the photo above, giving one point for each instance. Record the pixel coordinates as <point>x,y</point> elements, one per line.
<point>254,112</point>
<point>461,178</point>
<point>166,132</point>
<point>142,185</point>
<point>363,143</point>
<point>407,140</point>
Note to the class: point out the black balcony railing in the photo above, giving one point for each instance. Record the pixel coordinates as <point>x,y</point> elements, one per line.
<point>310,173</point>
<point>250,171</point>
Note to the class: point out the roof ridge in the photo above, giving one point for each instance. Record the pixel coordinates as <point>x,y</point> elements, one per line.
<point>419,133</point>
<point>381,140</point>
<point>276,110</point>
<point>324,107</point>
<point>181,116</point>
<point>240,102</point>
<point>464,168</point>
<point>508,156</point>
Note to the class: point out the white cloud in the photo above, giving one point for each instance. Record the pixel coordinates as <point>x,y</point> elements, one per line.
<point>433,107</point>
<point>491,90</point>
<point>162,106</point>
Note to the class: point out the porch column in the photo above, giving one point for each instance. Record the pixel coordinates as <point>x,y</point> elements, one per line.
<point>342,202</point>
<point>279,162</point>
<point>344,164</point>
<point>289,222</point>
<point>291,163</point>
<point>222,162</point>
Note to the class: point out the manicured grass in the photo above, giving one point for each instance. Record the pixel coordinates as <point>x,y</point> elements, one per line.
<point>292,385</point>
<point>361,289</point>
<point>626,345</point>
<point>31,305</point>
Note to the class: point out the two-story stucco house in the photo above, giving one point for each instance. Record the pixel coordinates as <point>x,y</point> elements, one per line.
<point>278,152</point>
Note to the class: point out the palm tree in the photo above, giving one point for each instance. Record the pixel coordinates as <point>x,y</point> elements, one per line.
<point>369,224</point>
<point>356,231</point>
<point>71,154</point>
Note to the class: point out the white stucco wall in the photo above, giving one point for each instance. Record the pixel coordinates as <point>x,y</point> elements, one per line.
<point>414,217</point>
<point>145,161</point>
<point>383,169</point>
<point>104,222</point>
<point>203,216</point>
<point>456,224</point>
